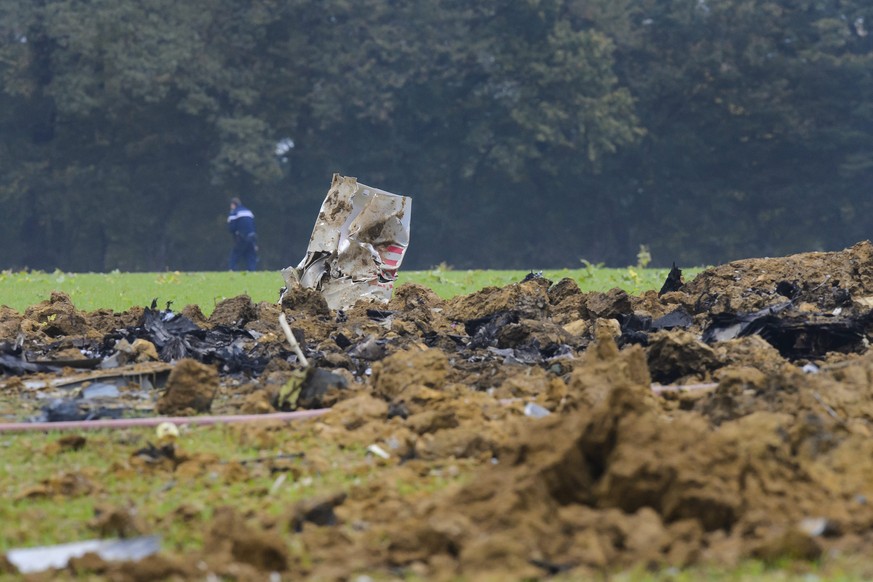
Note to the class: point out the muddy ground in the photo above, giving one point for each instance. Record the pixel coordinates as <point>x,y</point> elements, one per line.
<point>724,418</point>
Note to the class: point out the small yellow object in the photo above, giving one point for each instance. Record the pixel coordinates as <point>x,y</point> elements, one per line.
<point>167,432</point>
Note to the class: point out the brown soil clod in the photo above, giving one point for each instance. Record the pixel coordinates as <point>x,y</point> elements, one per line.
<point>190,389</point>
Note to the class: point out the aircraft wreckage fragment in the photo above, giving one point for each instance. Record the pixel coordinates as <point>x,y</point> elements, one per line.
<point>357,244</point>
<point>796,335</point>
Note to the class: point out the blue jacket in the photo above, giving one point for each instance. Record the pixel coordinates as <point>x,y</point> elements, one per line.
<point>241,223</point>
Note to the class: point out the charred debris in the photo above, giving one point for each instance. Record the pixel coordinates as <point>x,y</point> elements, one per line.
<point>808,311</point>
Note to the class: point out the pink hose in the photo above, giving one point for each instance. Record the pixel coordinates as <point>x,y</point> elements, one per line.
<point>154,421</point>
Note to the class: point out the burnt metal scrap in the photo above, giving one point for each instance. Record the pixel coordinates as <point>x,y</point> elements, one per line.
<point>13,362</point>
<point>483,330</point>
<point>504,335</point>
<point>370,348</point>
<point>833,325</point>
<point>635,329</point>
<point>795,335</point>
<point>807,338</point>
<point>98,394</point>
<point>727,326</point>
<point>673,281</point>
<point>176,337</point>
<point>67,409</point>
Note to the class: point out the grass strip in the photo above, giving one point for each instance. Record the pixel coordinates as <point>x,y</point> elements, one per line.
<point>121,291</point>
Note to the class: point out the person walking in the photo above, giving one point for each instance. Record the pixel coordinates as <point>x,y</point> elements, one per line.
<point>241,223</point>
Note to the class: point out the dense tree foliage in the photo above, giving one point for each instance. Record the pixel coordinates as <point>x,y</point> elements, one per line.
<point>530,133</point>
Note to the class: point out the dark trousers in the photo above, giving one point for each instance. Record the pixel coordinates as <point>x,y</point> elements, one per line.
<point>244,255</point>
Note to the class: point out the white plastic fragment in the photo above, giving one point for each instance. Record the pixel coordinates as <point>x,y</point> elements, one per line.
<point>357,244</point>
<point>535,410</point>
<point>378,451</point>
<point>167,432</point>
<point>814,526</point>
<point>274,488</point>
<point>47,557</point>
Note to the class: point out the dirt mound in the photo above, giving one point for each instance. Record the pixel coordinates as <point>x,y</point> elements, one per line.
<point>619,482</point>
<point>54,318</point>
<point>724,418</point>
<point>825,280</point>
<point>190,389</point>
<point>236,311</point>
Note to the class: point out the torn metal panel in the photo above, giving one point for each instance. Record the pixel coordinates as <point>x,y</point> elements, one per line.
<point>357,244</point>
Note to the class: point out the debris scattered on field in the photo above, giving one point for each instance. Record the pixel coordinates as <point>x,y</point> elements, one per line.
<point>658,448</point>
<point>357,244</point>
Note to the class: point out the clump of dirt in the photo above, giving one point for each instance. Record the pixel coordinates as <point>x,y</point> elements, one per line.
<point>529,298</point>
<point>190,389</point>
<point>116,522</point>
<point>724,418</point>
<point>401,375</point>
<point>230,538</point>
<point>10,322</point>
<point>236,311</point>
<point>60,485</point>
<point>617,482</point>
<point>55,317</point>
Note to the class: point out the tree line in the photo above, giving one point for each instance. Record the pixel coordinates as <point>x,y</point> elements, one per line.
<point>529,133</point>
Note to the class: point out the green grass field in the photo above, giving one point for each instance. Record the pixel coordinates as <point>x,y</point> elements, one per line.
<point>121,291</point>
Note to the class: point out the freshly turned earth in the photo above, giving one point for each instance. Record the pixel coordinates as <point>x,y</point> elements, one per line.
<point>765,453</point>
